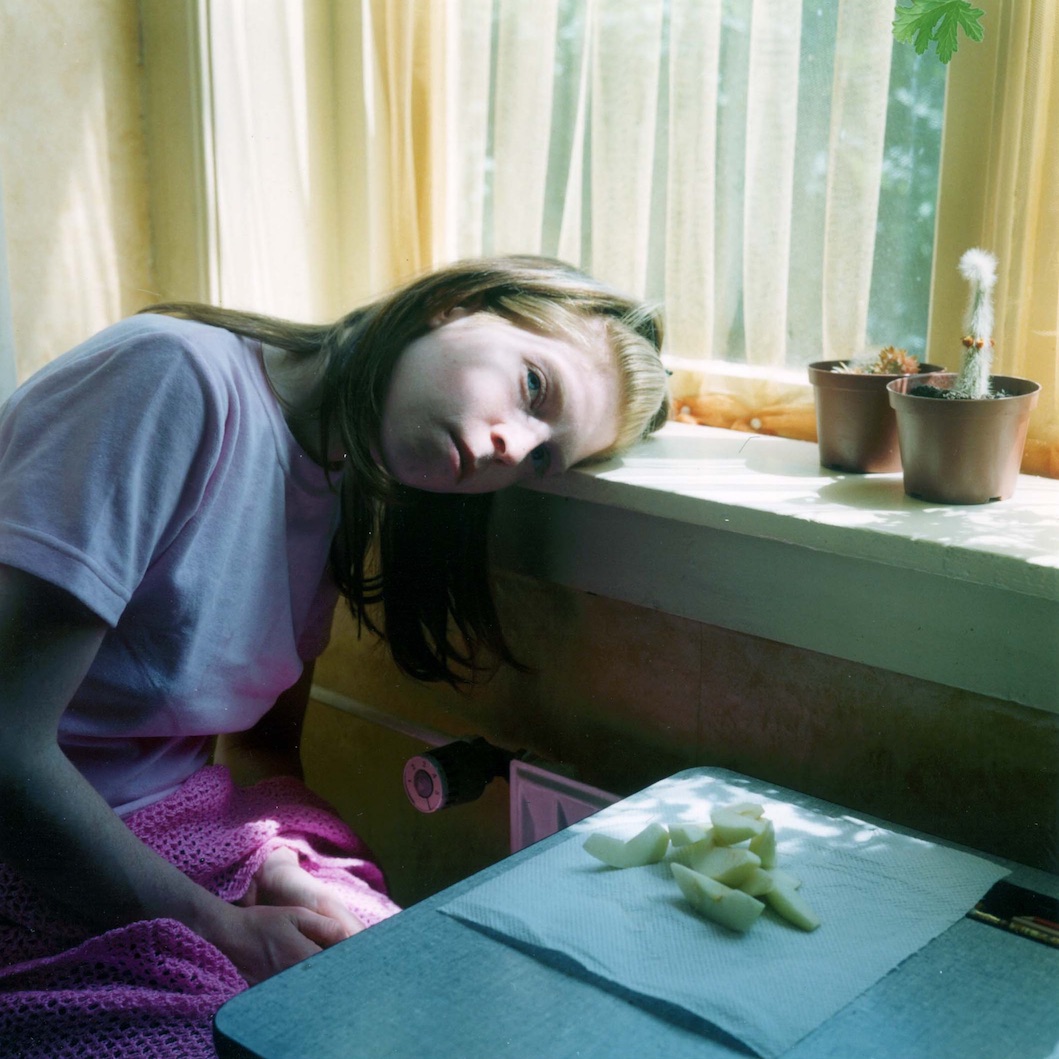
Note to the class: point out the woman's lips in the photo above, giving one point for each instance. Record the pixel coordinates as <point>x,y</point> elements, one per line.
<point>464,459</point>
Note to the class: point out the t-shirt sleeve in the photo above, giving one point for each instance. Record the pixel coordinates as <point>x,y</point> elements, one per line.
<point>103,457</point>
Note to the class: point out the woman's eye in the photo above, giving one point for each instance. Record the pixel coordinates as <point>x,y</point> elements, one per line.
<point>541,459</point>
<point>534,387</point>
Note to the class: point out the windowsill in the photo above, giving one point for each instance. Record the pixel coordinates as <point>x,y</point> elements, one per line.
<point>750,533</point>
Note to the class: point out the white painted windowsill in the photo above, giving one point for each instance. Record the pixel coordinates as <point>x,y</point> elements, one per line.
<point>749,532</point>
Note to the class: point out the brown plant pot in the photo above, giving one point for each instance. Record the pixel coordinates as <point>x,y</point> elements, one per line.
<point>962,451</point>
<point>856,429</point>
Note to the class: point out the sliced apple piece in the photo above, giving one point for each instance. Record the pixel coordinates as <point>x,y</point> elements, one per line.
<point>784,878</point>
<point>764,845</point>
<point>792,906</point>
<point>693,851</point>
<point>758,882</point>
<point>754,809</point>
<point>647,847</point>
<point>727,864</point>
<point>687,834</point>
<point>730,827</point>
<point>731,908</point>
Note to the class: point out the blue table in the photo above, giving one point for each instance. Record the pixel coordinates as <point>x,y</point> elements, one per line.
<point>424,984</point>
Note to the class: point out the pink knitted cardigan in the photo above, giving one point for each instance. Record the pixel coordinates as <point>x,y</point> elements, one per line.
<point>149,990</point>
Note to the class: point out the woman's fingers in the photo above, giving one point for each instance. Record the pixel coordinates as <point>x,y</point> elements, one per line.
<point>282,881</point>
<point>331,907</point>
<point>320,929</point>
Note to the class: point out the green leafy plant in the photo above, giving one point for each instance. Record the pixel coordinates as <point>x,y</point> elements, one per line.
<point>923,21</point>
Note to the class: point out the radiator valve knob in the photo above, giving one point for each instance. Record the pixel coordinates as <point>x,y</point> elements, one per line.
<point>454,773</point>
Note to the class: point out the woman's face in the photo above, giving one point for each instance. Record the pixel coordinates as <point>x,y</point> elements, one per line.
<point>477,404</point>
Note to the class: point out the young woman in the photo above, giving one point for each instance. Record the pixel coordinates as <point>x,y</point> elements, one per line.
<point>183,498</point>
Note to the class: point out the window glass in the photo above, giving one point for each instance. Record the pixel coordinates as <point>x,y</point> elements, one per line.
<point>587,103</point>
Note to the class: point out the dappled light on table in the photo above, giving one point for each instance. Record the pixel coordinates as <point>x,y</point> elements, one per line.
<point>879,895</point>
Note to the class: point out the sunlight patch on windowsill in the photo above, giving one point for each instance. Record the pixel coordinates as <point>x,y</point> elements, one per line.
<point>775,488</point>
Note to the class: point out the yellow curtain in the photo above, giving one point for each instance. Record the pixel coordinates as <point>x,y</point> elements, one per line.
<point>8,369</point>
<point>324,121</point>
<point>77,233</point>
<point>403,62</point>
<point>1000,190</point>
<point>1020,221</point>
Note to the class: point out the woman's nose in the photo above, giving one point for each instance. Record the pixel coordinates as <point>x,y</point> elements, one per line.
<point>513,442</point>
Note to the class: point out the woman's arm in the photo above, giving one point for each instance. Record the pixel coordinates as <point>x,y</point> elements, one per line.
<point>270,748</point>
<point>60,833</point>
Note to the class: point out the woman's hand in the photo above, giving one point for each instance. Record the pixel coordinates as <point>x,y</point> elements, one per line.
<point>286,916</point>
<point>262,941</point>
<point>282,882</point>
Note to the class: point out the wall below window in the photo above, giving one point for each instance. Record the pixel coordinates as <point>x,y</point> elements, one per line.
<point>750,533</point>
<point>627,694</point>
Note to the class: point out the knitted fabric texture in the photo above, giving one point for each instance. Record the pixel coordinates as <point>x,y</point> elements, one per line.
<point>149,990</point>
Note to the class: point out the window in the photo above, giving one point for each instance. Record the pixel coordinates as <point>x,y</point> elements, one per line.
<point>768,168</point>
<point>648,139</point>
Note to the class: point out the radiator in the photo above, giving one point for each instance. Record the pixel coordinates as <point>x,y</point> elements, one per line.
<point>452,770</point>
<point>544,802</point>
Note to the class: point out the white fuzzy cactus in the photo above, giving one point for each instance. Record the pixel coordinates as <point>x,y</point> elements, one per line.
<point>978,267</point>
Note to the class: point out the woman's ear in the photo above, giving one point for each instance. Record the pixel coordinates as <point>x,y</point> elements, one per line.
<point>446,316</point>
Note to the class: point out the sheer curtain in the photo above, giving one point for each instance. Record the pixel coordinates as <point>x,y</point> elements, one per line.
<point>766,168</point>
<point>267,120</point>
<point>665,145</point>
<point>657,143</point>
<point>325,166</point>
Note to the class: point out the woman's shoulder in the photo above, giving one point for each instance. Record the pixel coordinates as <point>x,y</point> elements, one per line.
<point>144,360</point>
<point>156,332</point>
<point>149,347</point>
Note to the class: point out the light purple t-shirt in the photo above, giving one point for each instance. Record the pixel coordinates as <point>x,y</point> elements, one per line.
<point>150,473</point>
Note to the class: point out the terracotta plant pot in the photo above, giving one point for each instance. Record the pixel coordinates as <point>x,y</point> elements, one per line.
<point>962,451</point>
<point>856,428</point>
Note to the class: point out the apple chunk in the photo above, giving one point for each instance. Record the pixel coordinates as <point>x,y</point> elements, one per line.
<point>758,882</point>
<point>784,878</point>
<point>731,908</point>
<point>730,827</point>
<point>726,864</point>
<point>764,845</point>
<point>792,906</point>
<point>691,853</point>
<point>754,809</point>
<point>647,847</point>
<point>687,834</point>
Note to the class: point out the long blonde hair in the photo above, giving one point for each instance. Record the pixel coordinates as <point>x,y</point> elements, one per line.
<point>424,556</point>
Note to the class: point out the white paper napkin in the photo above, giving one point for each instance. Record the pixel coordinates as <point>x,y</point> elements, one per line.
<point>880,897</point>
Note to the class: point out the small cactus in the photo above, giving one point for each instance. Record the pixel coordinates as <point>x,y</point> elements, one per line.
<point>888,361</point>
<point>893,361</point>
<point>978,267</point>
